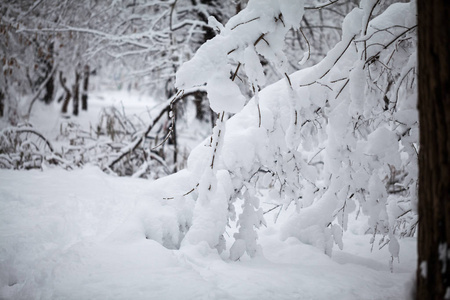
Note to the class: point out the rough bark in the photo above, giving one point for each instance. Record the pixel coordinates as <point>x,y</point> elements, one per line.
<point>433,274</point>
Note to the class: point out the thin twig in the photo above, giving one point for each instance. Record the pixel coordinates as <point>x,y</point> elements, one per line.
<point>261,37</point>
<point>235,72</point>
<point>273,208</point>
<point>366,26</point>
<point>307,43</point>
<point>242,23</point>
<point>340,91</point>
<point>288,79</point>
<point>375,56</point>
<point>334,63</point>
<point>321,6</point>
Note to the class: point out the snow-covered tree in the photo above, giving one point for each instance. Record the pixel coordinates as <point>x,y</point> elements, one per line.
<point>50,48</point>
<point>330,139</point>
<point>43,61</point>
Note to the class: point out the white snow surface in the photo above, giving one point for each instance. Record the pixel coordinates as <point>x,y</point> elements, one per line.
<point>83,234</point>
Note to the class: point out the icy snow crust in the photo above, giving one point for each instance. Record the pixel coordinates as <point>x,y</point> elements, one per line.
<point>86,235</point>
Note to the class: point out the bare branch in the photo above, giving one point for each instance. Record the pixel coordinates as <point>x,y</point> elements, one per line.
<point>321,6</point>
<point>242,23</point>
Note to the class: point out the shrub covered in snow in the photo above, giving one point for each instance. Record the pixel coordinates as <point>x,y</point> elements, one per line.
<point>326,139</point>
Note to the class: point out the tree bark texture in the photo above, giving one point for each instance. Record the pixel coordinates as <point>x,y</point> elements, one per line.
<point>433,273</point>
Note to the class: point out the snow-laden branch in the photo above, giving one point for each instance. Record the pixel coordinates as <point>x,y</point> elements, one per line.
<point>330,113</point>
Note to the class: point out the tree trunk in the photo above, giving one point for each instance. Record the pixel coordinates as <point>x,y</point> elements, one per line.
<point>200,110</point>
<point>50,85</point>
<point>2,104</point>
<point>433,273</point>
<point>76,94</point>
<point>213,10</point>
<point>84,96</point>
<point>68,94</point>
<point>199,113</point>
<point>49,90</point>
<point>174,138</point>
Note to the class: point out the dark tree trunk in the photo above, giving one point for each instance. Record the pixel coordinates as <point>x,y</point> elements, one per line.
<point>213,116</point>
<point>199,112</point>
<point>68,94</point>
<point>214,9</point>
<point>50,85</point>
<point>84,96</point>
<point>200,109</point>
<point>49,90</point>
<point>174,138</point>
<point>240,5</point>
<point>433,274</point>
<point>76,94</point>
<point>2,103</point>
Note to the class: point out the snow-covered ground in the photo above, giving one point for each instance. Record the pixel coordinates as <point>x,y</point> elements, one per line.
<point>83,234</point>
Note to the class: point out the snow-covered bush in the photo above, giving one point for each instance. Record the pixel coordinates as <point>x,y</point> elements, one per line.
<point>23,148</point>
<point>119,144</point>
<point>325,138</point>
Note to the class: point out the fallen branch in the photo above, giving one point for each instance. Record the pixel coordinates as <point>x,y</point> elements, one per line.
<point>32,131</point>
<point>167,107</point>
